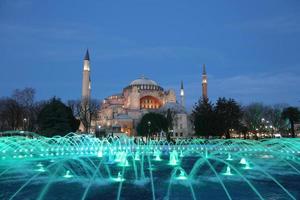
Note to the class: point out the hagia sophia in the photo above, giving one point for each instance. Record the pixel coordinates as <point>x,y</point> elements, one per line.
<point>120,113</point>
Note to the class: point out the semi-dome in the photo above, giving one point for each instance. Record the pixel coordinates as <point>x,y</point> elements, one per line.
<point>143,81</point>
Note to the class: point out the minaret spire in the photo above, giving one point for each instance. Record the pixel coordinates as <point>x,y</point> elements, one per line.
<point>204,70</point>
<point>182,94</point>
<point>86,77</point>
<point>87,55</point>
<point>204,83</point>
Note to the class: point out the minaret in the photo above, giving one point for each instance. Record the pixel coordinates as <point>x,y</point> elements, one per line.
<point>204,84</point>
<point>86,80</point>
<point>182,94</point>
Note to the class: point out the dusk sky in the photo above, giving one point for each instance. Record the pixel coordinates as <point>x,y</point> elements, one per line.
<point>251,48</point>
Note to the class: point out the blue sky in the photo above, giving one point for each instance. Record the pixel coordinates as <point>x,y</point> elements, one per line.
<point>251,48</point>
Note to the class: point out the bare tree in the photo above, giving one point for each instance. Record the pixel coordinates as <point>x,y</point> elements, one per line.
<point>75,107</point>
<point>85,110</point>
<point>253,114</point>
<point>272,115</point>
<point>25,99</point>
<point>259,117</point>
<point>20,110</point>
<point>11,114</point>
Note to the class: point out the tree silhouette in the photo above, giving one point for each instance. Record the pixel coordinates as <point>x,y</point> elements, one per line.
<point>152,123</point>
<point>293,115</point>
<point>56,118</point>
<point>228,115</point>
<point>203,118</point>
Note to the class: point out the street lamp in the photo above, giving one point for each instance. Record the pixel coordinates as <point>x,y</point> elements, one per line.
<point>98,131</point>
<point>24,123</point>
<point>149,124</point>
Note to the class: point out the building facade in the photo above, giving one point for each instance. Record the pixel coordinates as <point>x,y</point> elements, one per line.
<point>122,112</point>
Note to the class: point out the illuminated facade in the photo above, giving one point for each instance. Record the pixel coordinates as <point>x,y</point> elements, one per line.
<point>121,112</point>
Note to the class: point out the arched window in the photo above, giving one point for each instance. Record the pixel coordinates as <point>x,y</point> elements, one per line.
<point>150,102</point>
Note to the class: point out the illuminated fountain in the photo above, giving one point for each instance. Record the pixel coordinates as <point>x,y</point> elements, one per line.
<point>228,171</point>
<point>84,167</point>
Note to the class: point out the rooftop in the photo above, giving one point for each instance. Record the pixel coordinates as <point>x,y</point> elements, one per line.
<point>143,81</point>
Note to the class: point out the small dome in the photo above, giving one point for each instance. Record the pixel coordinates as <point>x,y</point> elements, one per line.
<point>143,81</point>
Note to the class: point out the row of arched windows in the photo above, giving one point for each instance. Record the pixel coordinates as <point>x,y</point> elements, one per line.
<point>149,87</point>
<point>149,102</point>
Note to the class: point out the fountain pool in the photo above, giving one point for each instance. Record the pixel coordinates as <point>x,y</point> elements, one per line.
<point>84,167</point>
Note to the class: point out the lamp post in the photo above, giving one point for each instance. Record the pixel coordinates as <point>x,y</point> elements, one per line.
<point>99,128</point>
<point>149,125</point>
<point>24,123</point>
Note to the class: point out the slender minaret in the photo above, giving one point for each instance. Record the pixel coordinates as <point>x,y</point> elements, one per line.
<point>204,84</point>
<point>86,94</point>
<point>86,80</point>
<point>182,94</point>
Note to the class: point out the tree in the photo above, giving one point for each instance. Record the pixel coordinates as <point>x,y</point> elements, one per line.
<point>19,112</point>
<point>272,115</point>
<point>55,118</point>
<point>252,116</point>
<point>152,123</point>
<point>261,118</point>
<point>170,119</point>
<point>170,115</point>
<point>11,114</point>
<point>243,129</point>
<point>228,114</point>
<point>204,118</point>
<point>293,115</point>
<point>25,99</point>
<point>86,110</point>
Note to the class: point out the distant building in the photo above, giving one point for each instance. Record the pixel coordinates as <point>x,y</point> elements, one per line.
<point>122,112</point>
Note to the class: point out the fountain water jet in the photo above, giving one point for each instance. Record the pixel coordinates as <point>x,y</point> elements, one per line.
<point>89,161</point>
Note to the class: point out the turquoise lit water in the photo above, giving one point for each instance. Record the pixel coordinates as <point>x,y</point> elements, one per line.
<point>84,167</point>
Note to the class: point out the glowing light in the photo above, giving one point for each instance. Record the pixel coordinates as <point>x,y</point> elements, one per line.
<point>228,172</point>
<point>229,157</point>
<point>119,178</point>
<point>247,166</point>
<point>100,154</point>
<point>173,158</point>
<point>181,154</point>
<point>68,174</point>
<point>41,169</point>
<point>243,161</point>
<point>157,155</point>
<point>182,175</point>
<point>39,165</point>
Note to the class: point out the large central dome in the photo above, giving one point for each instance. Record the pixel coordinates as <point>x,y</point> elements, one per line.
<point>143,81</point>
